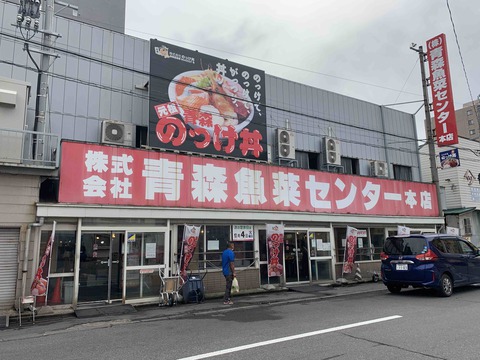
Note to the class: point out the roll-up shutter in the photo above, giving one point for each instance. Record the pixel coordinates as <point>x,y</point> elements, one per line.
<point>9,240</point>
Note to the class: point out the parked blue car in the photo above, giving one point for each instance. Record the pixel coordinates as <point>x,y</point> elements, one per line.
<point>437,261</point>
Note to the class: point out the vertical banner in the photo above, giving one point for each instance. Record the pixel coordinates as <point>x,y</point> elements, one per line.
<point>275,250</point>
<point>442,95</point>
<point>40,281</point>
<point>453,231</point>
<point>350,249</point>
<point>403,230</point>
<point>189,244</point>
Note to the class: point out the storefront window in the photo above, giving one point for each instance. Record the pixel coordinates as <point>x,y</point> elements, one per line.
<point>63,252</point>
<point>377,236</point>
<point>62,260</point>
<point>212,242</point>
<point>365,248</point>
<point>145,249</point>
<point>340,238</point>
<point>142,283</point>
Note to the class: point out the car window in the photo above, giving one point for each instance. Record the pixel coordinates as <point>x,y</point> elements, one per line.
<point>439,245</point>
<point>466,248</point>
<point>405,246</point>
<point>452,246</point>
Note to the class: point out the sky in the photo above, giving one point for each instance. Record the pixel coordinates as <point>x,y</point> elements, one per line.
<point>357,48</point>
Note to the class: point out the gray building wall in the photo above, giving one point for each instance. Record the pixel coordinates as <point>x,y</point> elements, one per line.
<point>107,14</point>
<point>18,194</point>
<point>100,73</point>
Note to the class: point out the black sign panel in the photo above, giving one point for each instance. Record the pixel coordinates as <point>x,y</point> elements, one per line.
<point>204,104</point>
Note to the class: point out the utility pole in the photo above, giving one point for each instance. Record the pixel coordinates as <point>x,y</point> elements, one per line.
<point>29,10</point>
<point>428,125</point>
<point>42,82</point>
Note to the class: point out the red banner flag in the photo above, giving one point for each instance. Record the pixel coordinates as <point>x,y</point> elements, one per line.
<point>350,249</point>
<point>189,244</point>
<point>40,282</point>
<point>275,251</point>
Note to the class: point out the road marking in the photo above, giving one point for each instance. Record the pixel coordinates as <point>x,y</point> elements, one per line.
<point>288,338</point>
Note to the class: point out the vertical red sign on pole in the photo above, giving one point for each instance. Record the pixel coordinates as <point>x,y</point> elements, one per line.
<point>442,95</point>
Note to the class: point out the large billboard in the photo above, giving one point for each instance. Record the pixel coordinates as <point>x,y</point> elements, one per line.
<point>109,175</point>
<point>204,104</point>
<point>442,95</point>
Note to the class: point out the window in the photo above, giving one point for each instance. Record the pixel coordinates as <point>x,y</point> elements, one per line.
<point>61,265</point>
<point>401,172</point>
<point>470,122</point>
<point>377,236</point>
<point>63,252</point>
<point>471,132</point>
<point>212,242</point>
<point>363,250</point>
<point>469,112</point>
<point>405,246</point>
<point>350,166</point>
<point>307,160</point>
<point>466,248</point>
<point>467,226</point>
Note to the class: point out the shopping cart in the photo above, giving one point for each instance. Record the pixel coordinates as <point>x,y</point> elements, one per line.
<point>169,289</point>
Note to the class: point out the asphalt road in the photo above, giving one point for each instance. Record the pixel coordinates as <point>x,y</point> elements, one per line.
<point>415,324</point>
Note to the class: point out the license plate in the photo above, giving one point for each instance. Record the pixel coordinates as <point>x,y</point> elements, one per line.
<point>402,267</point>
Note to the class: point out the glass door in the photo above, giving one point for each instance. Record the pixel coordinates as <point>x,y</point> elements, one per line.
<point>101,266</point>
<point>296,256</point>
<point>321,250</point>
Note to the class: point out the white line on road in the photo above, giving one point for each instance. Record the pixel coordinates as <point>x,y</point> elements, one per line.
<point>288,338</point>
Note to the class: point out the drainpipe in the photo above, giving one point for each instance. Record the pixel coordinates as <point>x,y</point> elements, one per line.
<point>25,255</point>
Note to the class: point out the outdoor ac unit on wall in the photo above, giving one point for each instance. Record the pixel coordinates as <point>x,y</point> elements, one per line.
<point>331,150</point>
<point>285,144</point>
<point>379,169</point>
<point>118,133</point>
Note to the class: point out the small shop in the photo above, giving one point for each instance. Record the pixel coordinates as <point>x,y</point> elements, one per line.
<point>121,216</point>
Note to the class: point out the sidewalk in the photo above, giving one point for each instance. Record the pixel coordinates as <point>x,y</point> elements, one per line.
<point>60,321</point>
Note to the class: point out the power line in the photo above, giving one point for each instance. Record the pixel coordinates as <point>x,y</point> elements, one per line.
<point>160,99</point>
<point>461,58</point>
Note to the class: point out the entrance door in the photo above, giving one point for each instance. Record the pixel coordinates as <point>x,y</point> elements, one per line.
<point>321,250</point>
<point>101,264</point>
<point>296,256</point>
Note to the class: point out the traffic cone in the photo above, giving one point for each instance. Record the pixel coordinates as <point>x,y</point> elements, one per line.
<point>56,297</point>
<point>358,274</point>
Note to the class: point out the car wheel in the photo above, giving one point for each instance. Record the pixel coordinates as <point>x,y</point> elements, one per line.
<point>446,286</point>
<point>394,289</point>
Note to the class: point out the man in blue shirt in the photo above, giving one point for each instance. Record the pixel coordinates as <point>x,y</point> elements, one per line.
<point>228,268</point>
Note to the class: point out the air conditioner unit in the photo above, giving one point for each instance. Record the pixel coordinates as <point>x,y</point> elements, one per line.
<point>379,169</point>
<point>331,150</point>
<point>118,133</point>
<point>285,144</point>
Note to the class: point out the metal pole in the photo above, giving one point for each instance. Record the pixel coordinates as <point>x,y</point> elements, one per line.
<point>42,86</point>
<point>428,125</point>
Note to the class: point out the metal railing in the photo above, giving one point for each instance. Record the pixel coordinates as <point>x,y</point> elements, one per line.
<point>25,148</point>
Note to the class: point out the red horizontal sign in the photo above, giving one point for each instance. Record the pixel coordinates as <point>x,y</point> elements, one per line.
<point>108,175</point>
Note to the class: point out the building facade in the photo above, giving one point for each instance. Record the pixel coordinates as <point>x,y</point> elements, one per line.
<point>468,121</point>
<point>459,181</point>
<point>139,162</point>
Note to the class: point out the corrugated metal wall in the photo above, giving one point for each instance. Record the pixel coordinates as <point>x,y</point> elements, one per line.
<point>364,130</point>
<point>9,242</point>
